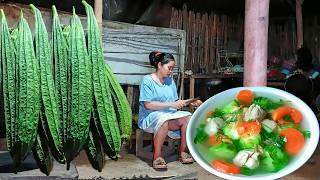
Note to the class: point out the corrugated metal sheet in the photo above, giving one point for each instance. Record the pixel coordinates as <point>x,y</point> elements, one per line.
<point>127,48</point>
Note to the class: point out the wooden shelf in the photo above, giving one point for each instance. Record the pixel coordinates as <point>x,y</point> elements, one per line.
<point>192,78</point>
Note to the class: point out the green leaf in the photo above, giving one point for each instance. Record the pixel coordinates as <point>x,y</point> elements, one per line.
<point>218,113</point>
<point>225,151</point>
<point>246,171</point>
<point>274,159</point>
<point>272,139</point>
<point>266,103</point>
<point>306,134</point>
<point>288,118</point>
<point>292,125</point>
<point>201,135</point>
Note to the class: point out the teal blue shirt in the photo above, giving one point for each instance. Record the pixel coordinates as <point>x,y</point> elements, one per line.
<point>150,90</point>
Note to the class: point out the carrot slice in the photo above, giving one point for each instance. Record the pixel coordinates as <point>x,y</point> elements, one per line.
<point>245,97</point>
<point>225,167</point>
<point>280,112</point>
<point>209,114</point>
<point>295,140</point>
<point>248,128</point>
<point>212,140</point>
<point>296,116</point>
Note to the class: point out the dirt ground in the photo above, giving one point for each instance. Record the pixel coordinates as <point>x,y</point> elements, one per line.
<point>130,167</point>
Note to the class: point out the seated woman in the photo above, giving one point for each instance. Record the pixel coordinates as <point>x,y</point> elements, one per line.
<point>158,108</point>
<point>304,82</point>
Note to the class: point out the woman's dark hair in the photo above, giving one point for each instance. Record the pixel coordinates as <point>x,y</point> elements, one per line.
<point>304,59</point>
<point>300,86</point>
<point>158,57</point>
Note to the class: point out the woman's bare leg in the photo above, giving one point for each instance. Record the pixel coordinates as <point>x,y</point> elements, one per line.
<point>172,125</point>
<point>159,139</point>
<point>183,123</point>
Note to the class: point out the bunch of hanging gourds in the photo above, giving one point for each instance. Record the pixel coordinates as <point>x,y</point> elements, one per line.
<point>60,96</point>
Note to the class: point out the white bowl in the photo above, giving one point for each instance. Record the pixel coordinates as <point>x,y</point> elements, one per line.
<point>309,123</point>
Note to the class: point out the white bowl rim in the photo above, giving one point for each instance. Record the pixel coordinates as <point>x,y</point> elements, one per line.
<point>312,145</point>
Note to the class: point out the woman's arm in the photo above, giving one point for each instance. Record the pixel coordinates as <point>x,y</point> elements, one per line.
<point>156,105</point>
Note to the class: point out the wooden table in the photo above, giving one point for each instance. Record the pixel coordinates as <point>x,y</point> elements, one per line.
<point>271,82</point>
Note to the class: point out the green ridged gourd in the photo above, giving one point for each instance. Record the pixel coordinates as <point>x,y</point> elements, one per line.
<point>27,94</point>
<point>80,88</point>
<point>8,58</point>
<point>60,59</point>
<point>103,102</point>
<point>41,152</point>
<point>48,101</point>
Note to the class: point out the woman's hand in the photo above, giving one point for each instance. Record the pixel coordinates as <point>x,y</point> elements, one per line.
<point>196,103</point>
<point>179,104</point>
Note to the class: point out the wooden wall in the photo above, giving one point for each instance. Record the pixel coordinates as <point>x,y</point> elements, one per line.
<point>209,33</point>
<point>206,35</point>
<point>312,36</point>
<point>282,38</point>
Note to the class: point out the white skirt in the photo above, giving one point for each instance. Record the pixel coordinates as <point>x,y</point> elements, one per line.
<point>154,121</point>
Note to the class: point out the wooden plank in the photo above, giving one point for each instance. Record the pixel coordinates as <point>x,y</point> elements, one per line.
<point>299,23</point>
<point>210,59</point>
<point>198,41</point>
<point>206,43</point>
<point>190,40</point>
<point>180,19</point>
<point>185,25</point>
<point>214,41</point>
<point>193,40</point>
<point>130,95</point>
<point>202,46</point>
<point>171,24</point>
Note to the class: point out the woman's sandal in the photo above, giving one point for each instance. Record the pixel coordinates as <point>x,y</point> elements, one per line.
<point>185,158</point>
<point>159,163</point>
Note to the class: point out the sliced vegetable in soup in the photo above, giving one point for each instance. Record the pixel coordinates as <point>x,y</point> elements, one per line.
<point>251,134</point>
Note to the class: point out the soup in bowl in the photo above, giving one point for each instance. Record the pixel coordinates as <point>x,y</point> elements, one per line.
<point>252,132</point>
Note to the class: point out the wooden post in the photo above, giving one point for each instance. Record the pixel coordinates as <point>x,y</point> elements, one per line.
<point>299,23</point>
<point>130,96</point>
<point>98,10</point>
<point>256,42</point>
<point>191,91</point>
